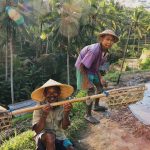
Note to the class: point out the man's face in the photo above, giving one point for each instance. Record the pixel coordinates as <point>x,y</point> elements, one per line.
<point>107,41</point>
<point>52,94</point>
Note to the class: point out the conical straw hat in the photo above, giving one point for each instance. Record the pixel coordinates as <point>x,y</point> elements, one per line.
<point>109,32</point>
<point>2,109</point>
<point>66,90</point>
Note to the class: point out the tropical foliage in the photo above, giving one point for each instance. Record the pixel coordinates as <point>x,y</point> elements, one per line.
<point>67,26</point>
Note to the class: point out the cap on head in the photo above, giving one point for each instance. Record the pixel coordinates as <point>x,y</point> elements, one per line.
<point>109,32</point>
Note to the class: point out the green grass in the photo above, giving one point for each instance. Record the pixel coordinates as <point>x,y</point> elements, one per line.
<point>112,76</point>
<point>21,118</point>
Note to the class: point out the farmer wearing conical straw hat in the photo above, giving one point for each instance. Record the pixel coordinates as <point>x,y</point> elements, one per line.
<point>49,122</point>
<point>90,59</point>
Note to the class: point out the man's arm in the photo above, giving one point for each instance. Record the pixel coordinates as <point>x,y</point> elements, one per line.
<point>102,82</point>
<point>86,82</point>
<point>66,120</point>
<point>39,126</point>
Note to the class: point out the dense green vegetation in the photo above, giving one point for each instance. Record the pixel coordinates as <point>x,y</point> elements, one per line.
<point>145,65</point>
<point>22,141</point>
<point>69,27</point>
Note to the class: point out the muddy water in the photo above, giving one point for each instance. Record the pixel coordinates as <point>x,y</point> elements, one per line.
<point>146,99</point>
<point>141,109</point>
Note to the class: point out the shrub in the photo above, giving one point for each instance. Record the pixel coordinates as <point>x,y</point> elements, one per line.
<point>77,121</point>
<point>145,65</point>
<point>112,76</point>
<point>22,141</point>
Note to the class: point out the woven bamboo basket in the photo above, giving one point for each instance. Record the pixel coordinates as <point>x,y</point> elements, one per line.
<point>125,96</point>
<point>5,121</point>
<point>5,125</point>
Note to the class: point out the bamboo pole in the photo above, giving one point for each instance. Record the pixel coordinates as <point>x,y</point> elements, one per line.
<point>31,109</point>
<point>132,89</point>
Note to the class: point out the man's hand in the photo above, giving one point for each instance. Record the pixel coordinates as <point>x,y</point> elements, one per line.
<point>42,122</point>
<point>67,107</point>
<point>47,109</point>
<point>103,82</point>
<point>66,121</point>
<point>86,83</point>
<point>106,93</point>
<point>90,85</point>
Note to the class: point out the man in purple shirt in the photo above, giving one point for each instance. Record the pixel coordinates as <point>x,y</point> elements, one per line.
<point>88,63</point>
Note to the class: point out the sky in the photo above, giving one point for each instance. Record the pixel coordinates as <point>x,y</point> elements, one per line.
<point>135,3</point>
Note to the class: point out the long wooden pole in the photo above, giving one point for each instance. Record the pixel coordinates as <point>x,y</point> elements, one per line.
<point>124,54</point>
<point>31,109</point>
<point>111,92</point>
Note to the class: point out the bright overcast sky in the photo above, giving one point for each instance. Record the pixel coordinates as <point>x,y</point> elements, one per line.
<point>135,3</point>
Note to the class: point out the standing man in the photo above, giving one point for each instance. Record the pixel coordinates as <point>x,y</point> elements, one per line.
<point>90,59</point>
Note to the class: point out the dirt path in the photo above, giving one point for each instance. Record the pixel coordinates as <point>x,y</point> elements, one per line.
<point>120,130</point>
<point>111,135</point>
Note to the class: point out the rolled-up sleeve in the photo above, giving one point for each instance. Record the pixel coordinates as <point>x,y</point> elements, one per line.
<point>36,116</point>
<point>88,59</point>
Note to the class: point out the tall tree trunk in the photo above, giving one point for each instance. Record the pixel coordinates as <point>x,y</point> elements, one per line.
<point>6,56</point>
<point>6,61</point>
<point>11,67</point>
<point>68,70</point>
<point>145,39</point>
<point>20,43</point>
<point>47,45</point>
<point>41,29</point>
<point>124,54</point>
<point>138,45</point>
<point>133,43</point>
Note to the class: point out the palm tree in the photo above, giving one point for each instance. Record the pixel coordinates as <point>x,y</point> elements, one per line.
<point>66,24</point>
<point>9,22</point>
<point>11,65</point>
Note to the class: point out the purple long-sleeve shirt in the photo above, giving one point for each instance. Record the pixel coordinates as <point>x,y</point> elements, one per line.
<point>91,57</point>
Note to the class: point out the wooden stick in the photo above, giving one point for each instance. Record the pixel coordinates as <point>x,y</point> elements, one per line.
<point>113,92</point>
<point>31,109</point>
